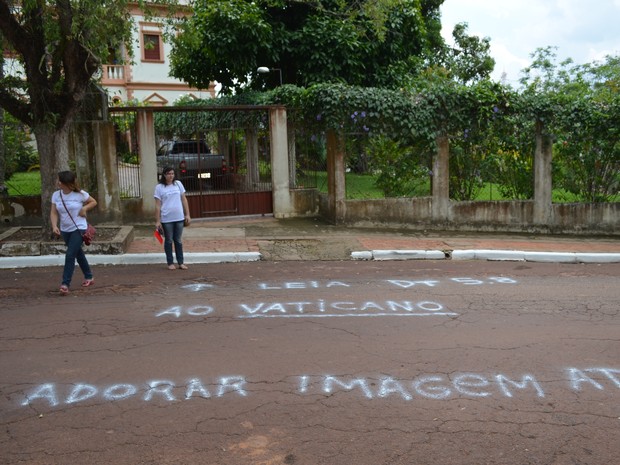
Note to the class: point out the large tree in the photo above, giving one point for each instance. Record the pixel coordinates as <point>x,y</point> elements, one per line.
<point>358,42</point>
<point>469,60</point>
<point>580,106</point>
<point>57,46</point>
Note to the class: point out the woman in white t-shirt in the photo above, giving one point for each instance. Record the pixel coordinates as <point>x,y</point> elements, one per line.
<point>172,213</point>
<point>70,205</point>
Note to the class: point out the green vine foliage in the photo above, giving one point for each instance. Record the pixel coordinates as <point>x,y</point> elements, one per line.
<point>188,124</point>
<point>588,148</point>
<point>490,127</point>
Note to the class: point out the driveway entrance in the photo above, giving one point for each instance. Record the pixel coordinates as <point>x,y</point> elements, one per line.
<point>237,139</point>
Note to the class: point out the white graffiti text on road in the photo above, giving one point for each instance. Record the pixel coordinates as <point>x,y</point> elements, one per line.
<point>426,386</point>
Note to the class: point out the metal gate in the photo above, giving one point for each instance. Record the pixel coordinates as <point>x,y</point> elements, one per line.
<point>240,184</point>
<point>220,154</point>
<point>233,177</point>
<point>233,194</point>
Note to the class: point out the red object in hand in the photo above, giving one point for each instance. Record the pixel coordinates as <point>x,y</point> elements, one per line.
<point>158,236</point>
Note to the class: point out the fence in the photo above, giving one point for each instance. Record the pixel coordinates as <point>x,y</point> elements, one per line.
<point>127,154</point>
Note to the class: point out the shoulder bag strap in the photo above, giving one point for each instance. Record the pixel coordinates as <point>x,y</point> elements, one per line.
<point>65,205</point>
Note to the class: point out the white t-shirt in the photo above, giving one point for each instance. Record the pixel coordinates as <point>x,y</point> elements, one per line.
<point>171,204</point>
<point>74,202</point>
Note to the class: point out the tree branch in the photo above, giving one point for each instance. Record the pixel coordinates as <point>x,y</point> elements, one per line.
<point>16,107</point>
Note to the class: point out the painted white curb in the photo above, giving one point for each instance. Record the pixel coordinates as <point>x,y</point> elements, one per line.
<point>598,257</point>
<point>130,259</point>
<point>379,255</point>
<point>490,255</point>
<point>547,257</point>
<point>481,254</point>
<point>539,257</point>
<point>408,255</point>
<point>364,255</point>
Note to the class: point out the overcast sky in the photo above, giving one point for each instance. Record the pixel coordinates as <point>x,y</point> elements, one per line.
<point>583,30</point>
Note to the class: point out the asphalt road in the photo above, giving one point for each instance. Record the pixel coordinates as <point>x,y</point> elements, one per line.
<point>306,363</point>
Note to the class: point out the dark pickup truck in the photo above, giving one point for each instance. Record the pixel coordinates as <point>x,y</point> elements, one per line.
<point>193,162</point>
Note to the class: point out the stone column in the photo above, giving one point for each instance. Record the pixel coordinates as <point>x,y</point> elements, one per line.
<point>108,195</point>
<point>148,161</point>
<point>282,201</point>
<point>441,180</point>
<point>336,183</point>
<point>542,176</point>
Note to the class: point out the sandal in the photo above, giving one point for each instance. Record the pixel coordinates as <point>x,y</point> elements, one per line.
<point>182,267</point>
<point>172,267</point>
<point>64,289</point>
<point>88,282</point>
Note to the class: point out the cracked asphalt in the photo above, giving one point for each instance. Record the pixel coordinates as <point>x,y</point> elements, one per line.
<point>307,363</point>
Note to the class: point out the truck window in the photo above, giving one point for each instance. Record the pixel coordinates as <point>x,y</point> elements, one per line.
<point>190,147</point>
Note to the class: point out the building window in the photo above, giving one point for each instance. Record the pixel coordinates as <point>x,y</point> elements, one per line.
<point>151,47</point>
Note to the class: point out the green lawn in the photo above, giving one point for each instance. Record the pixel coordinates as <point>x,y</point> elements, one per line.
<point>359,186</point>
<point>25,183</point>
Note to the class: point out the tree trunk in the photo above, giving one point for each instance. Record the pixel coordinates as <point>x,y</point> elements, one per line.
<point>52,144</point>
<point>3,187</point>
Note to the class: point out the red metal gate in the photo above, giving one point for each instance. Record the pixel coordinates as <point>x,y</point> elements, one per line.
<point>239,198</point>
<point>239,139</point>
<point>189,139</point>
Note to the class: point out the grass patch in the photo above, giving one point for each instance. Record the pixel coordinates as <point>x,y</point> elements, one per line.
<point>490,191</point>
<point>359,186</point>
<point>25,183</point>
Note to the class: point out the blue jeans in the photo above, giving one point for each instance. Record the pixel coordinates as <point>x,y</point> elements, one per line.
<point>173,232</point>
<point>73,241</point>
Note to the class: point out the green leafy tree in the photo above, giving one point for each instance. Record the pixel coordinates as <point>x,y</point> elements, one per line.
<point>358,42</point>
<point>465,105</point>
<point>580,106</point>
<point>58,47</point>
<point>511,164</point>
<point>469,60</point>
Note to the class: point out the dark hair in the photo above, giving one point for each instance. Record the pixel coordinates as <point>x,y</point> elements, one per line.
<point>68,179</point>
<point>162,178</point>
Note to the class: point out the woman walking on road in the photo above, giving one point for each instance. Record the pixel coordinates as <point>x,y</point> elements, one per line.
<point>172,213</point>
<point>70,205</point>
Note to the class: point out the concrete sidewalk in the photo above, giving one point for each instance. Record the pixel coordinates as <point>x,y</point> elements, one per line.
<point>266,238</point>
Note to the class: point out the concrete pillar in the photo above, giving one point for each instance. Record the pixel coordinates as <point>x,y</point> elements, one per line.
<point>441,180</point>
<point>542,176</point>
<point>108,195</point>
<point>92,148</point>
<point>148,161</point>
<point>282,200</point>
<point>336,183</point>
